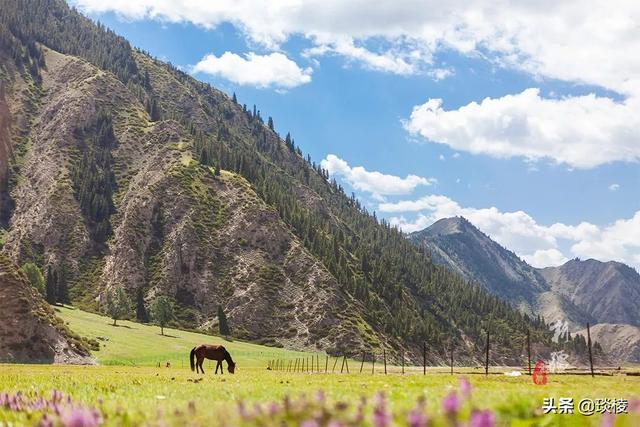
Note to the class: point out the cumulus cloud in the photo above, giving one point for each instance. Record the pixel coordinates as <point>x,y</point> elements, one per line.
<point>581,131</point>
<point>273,70</point>
<point>373,182</point>
<point>538,244</point>
<point>583,40</point>
<point>614,187</point>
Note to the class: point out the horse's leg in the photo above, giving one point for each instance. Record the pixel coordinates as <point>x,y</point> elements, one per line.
<point>221,369</point>
<point>200,361</point>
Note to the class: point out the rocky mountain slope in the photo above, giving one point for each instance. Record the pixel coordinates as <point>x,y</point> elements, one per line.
<point>609,291</point>
<point>456,243</point>
<point>122,171</point>
<point>622,342</point>
<point>578,292</point>
<point>29,329</point>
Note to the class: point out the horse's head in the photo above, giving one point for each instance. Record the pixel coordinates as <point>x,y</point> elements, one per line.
<point>232,367</point>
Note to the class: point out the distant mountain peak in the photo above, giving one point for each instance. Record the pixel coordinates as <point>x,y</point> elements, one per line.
<point>447,226</point>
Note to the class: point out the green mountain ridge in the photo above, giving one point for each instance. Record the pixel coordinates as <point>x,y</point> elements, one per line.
<point>120,170</point>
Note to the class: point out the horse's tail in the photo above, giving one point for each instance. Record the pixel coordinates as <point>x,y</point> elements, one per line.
<point>192,357</point>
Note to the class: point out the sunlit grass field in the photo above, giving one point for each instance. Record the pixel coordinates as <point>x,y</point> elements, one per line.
<point>136,344</point>
<point>129,388</point>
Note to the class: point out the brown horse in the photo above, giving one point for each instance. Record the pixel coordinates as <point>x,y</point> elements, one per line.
<point>213,352</point>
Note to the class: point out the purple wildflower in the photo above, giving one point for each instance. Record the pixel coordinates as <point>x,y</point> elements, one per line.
<point>80,417</point>
<point>482,419</point>
<point>334,423</point>
<point>273,409</point>
<point>417,416</point>
<point>56,395</point>
<point>607,420</point>
<point>310,423</point>
<point>465,387</point>
<point>243,411</point>
<point>320,397</point>
<point>45,421</point>
<point>381,416</point>
<point>451,403</point>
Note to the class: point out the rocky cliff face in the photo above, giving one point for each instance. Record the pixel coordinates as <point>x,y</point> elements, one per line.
<point>29,330</point>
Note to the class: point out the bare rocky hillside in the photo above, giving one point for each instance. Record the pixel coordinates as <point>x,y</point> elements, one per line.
<point>29,329</point>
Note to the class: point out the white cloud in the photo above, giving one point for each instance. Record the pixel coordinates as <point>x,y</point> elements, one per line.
<point>273,70</point>
<point>582,41</point>
<point>396,62</point>
<point>582,131</point>
<point>373,182</point>
<point>585,41</point>
<point>546,258</point>
<point>614,187</point>
<point>538,244</point>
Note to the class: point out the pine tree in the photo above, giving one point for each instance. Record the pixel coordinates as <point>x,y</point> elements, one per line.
<point>141,309</point>
<point>62,292</point>
<point>34,274</point>
<point>270,123</point>
<point>234,99</point>
<point>222,322</point>
<point>162,311</point>
<point>50,286</point>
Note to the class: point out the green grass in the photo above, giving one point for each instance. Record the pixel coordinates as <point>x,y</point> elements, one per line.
<point>136,344</point>
<point>131,394</point>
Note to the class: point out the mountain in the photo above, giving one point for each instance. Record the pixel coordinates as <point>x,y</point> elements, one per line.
<point>119,170</point>
<point>456,243</point>
<point>608,291</point>
<point>29,329</point>
<point>621,341</point>
<point>604,294</point>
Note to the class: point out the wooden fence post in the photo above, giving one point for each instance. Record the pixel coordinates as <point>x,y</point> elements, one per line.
<point>486,362</point>
<point>451,351</point>
<point>529,349</point>
<point>342,367</point>
<point>326,363</point>
<point>589,345</point>
<point>346,363</point>
<point>362,364</point>
<point>384,356</point>
<point>334,365</point>
<point>424,358</point>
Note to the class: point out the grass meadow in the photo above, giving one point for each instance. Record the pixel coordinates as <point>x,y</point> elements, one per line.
<point>128,389</point>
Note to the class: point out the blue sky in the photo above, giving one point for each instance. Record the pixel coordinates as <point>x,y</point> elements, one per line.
<point>551,174</point>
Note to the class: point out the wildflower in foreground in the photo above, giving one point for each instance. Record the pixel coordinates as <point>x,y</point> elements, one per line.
<point>417,416</point>
<point>607,420</point>
<point>482,419</point>
<point>80,417</point>
<point>451,403</point>
<point>465,387</point>
<point>381,417</point>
